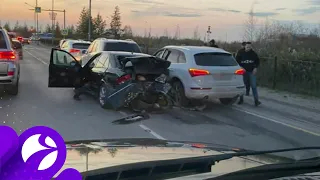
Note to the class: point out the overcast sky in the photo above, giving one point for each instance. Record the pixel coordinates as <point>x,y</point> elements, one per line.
<point>226,17</point>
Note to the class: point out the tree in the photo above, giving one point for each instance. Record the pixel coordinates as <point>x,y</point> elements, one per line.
<point>99,25</point>
<point>16,26</point>
<point>7,26</point>
<point>48,29</point>
<point>250,26</point>
<point>57,32</point>
<point>115,25</point>
<point>83,24</point>
<point>127,32</point>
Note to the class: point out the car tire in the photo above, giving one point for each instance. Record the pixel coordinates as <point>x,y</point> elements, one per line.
<point>178,94</point>
<point>13,89</point>
<point>228,101</point>
<point>103,93</point>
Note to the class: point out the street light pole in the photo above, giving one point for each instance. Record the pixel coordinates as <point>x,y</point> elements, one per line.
<point>37,26</point>
<point>89,26</point>
<point>52,21</point>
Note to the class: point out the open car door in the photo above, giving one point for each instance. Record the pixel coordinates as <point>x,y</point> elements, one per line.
<point>63,69</point>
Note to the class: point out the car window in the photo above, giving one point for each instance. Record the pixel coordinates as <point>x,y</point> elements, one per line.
<point>3,44</point>
<point>215,59</point>
<point>100,62</point>
<point>159,53</point>
<point>166,54</point>
<point>62,58</point>
<point>94,48</point>
<point>65,45</point>
<point>80,45</point>
<point>121,46</point>
<point>173,56</point>
<point>182,58</point>
<point>91,47</point>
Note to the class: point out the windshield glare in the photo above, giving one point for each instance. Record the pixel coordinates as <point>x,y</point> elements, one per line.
<point>218,77</point>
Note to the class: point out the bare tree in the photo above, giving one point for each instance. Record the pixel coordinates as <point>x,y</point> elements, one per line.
<point>196,35</point>
<point>250,26</point>
<point>166,33</point>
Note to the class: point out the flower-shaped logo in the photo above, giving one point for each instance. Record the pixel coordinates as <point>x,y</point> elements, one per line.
<point>31,146</point>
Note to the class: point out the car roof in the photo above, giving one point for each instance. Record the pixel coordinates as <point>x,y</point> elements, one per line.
<point>123,53</point>
<point>117,40</point>
<point>198,49</point>
<point>78,41</point>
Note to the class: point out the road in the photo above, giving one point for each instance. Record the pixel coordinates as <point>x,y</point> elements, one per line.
<point>271,126</point>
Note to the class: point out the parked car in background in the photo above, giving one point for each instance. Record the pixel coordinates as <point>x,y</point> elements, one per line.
<point>26,41</point>
<point>103,44</point>
<point>9,64</point>
<point>203,73</point>
<point>61,42</point>
<point>18,48</point>
<point>75,47</point>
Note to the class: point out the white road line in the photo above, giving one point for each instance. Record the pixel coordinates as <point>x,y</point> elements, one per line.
<point>144,127</point>
<point>37,58</point>
<point>276,121</point>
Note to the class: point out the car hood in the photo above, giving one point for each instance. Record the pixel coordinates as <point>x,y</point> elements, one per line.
<point>92,155</point>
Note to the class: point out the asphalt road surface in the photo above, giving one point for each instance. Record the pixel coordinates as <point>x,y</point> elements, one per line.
<point>270,126</point>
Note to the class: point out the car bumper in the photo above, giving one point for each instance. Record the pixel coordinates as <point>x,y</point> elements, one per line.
<point>214,93</point>
<point>8,80</point>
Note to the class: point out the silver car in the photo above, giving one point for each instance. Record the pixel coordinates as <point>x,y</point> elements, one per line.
<point>75,47</point>
<point>203,73</point>
<point>9,64</point>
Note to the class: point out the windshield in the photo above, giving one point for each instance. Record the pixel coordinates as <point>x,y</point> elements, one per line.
<point>229,76</point>
<point>119,46</point>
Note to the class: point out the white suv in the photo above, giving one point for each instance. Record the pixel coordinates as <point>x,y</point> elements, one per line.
<point>203,73</point>
<point>103,44</point>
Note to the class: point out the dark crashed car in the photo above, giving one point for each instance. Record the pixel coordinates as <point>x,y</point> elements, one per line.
<point>104,70</point>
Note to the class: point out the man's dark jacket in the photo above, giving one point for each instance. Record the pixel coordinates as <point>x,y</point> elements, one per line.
<point>248,60</point>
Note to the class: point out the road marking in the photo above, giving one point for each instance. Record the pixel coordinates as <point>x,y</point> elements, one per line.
<point>37,58</point>
<point>144,127</point>
<point>276,121</point>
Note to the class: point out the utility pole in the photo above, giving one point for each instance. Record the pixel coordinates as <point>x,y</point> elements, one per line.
<point>89,26</point>
<point>37,24</point>
<point>53,17</point>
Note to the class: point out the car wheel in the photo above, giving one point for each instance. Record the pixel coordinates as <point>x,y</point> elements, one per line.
<point>13,89</point>
<point>228,101</point>
<point>103,94</point>
<point>178,94</point>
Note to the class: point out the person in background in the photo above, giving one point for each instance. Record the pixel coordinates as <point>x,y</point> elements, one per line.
<point>212,43</point>
<point>250,61</point>
<point>246,78</point>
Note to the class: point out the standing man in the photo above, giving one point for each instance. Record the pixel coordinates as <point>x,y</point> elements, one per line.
<point>250,61</point>
<point>246,78</point>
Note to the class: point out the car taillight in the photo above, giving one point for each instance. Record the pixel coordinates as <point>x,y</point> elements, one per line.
<point>198,72</point>
<point>74,50</point>
<point>7,55</point>
<point>240,72</point>
<point>123,79</point>
<point>10,73</point>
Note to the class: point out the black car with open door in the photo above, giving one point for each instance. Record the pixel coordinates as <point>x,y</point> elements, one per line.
<point>66,71</point>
